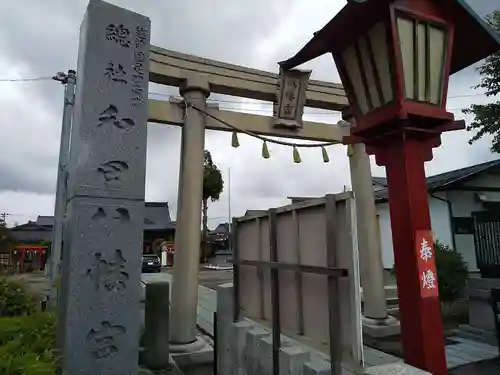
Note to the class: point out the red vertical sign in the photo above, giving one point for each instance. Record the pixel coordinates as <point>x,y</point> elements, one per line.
<point>424,244</point>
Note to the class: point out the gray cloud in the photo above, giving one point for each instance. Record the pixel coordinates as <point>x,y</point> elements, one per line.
<point>40,38</point>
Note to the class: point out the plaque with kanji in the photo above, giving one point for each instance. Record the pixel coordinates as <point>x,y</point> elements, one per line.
<point>424,243</point>
<point>291,98</point>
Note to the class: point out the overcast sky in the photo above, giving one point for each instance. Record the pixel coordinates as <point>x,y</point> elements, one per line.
<point>40,38</point>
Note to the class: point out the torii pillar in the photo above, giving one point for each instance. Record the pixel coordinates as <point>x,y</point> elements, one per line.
<point>376,321</point>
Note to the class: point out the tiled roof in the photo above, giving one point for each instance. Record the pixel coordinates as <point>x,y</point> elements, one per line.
<point>45,221</point>
<point>157,217</point>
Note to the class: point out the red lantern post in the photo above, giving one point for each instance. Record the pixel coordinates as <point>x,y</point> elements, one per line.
<point>394,58</point>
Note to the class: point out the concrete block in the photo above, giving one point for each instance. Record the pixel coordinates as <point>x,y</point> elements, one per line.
<point>316,367</point>
<point>481,294</point>
<point>395,369</point>
<point>252,352</point>
<point>479,283</point>
<point>481,315</point>
<point>292,359</point>
<point>235,358</point>
<point>156,332</point>
<point>265,355</point>
<point>108,138</point>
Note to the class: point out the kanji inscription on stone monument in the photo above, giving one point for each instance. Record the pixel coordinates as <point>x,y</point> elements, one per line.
<point>102,340</point>
<point>424,243</point>
<point>109,273</point>
<point>101,268</point>
<point>116,72</point>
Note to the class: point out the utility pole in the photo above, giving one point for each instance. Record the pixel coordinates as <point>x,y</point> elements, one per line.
<point>69,81</point>
<point>4,215</point>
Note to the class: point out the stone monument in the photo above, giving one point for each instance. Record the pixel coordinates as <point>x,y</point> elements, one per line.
<point>99,316</point>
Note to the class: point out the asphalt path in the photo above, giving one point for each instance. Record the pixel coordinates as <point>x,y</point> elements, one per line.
<point>211,278</point>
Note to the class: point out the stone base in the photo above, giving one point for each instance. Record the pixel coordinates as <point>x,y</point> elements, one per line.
<point>399,368</point>
<point>193,354</point>
<point>191,347</point>
<point>476,334</point>
<point>378,328</point>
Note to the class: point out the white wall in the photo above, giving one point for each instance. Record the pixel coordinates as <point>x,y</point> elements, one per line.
<point>440,222</point>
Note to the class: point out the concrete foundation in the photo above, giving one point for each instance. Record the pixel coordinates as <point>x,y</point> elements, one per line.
<point>480,308</point>
<point>378,328</point>
<point>199,354</point>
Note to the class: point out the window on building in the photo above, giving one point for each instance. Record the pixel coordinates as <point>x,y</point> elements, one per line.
<point>463,225</point>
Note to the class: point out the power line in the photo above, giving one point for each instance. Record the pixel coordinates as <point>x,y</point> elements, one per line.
<point>264,110</point>
<point>25,79</point>
<point>268,103</point>
<point>242,102</point>
<point>218,100</point>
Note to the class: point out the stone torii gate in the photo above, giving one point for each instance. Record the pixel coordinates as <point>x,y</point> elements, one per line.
<point>198,77</point>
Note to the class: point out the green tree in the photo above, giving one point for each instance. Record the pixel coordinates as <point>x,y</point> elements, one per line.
<point>6,239</point>
<point>213,184</point>
<point>487,116</point>
<point>451,271</point>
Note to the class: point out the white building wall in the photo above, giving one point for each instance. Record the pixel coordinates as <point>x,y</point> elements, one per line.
<point>440,221</point>
<point>463,204</point>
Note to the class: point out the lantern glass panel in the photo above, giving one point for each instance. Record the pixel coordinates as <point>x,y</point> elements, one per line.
<point>366,63</point>
<point>369,70</point>
<point>422,47</point>
<point>352,67</point>
<point>406,40</point>
<point>420,44</point>
<point>437,56</point>
<point>378,41</point>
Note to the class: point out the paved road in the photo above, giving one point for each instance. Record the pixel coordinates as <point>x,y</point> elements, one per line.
<point>212,278</point>
<point>35,283</point>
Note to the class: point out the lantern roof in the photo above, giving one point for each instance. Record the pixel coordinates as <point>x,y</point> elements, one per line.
<point>474,38</point>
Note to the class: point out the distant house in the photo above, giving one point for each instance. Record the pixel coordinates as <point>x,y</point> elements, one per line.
<point>220,236</point>
<point>157,226</point>
<point>464,206</point>
<point>222,228</point>
<point>31,232</point>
